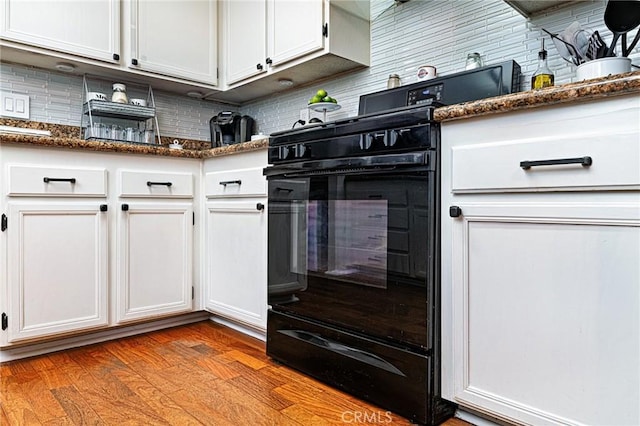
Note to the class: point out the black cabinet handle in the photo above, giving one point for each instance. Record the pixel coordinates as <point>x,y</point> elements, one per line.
<point>268,61</point>
<point>455,211</point>
<point>584,161</point>
<point>260,207</point>
<point>149,183</point>
<point>278,188</point>
<point>259,66</point>
<point>134,62</point>
<point>48,179</point>
<point>231,182</point>
<point>103,207</point>
<point>116,57</point>
<point>125,207</point>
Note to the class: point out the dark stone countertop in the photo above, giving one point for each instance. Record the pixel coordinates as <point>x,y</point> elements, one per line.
<point>68,136</point>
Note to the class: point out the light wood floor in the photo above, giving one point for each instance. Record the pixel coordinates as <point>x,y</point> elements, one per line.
<point>201,373</point>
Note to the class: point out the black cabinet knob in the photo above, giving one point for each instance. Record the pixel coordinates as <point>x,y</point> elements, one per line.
<point>259,66</point>
<point>455,211</point>
<point>268,61</point>
<point>103,207</point>
<point>116,57</point>
<point>125,207</point>
<point>134,62</point>
<point>260,206</point>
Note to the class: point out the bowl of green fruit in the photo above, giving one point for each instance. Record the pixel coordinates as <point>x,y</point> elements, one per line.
<point>322,102</point>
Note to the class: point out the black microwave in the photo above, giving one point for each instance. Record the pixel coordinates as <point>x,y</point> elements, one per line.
<point>465,86</point>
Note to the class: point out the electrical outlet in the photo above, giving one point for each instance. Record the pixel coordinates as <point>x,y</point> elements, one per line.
<point>14,105</point>
<point>304,114</point>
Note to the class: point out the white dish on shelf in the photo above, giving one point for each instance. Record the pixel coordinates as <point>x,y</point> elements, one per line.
<point>324,106</point>
<point>96,96</point>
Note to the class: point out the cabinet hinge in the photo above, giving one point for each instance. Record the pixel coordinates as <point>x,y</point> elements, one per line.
<point>5,321</point>
<point>3,225</point>
<point>193,292</point>
<point>194,218</point>
<point>325,30</point>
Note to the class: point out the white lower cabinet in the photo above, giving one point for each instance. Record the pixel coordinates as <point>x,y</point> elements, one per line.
<point>236,238</point>
<point>83,248</point>
<point>541,264</point>
<point>236,260</point>
<point>548,302</point>
<point>155,256</point>
<point>56,268</point>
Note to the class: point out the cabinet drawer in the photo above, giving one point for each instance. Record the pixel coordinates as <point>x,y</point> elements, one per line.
<point>239,183</point>
<point>155,184</point>
<point>56,181</point>
<point>615,164</point>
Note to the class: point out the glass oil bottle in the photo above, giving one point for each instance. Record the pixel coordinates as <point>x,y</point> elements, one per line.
<point>542,77</point>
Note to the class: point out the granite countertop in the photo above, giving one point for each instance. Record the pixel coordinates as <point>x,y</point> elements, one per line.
<point>67,136</point>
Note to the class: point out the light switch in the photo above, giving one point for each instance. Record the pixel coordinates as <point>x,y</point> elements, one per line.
<point>14,105</point>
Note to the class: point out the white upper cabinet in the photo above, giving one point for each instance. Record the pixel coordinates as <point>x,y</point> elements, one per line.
<point>175,38</point>
<point>247,50</point>
<point>263,41</point>
<point>86,28</point>
<point>295,29</point>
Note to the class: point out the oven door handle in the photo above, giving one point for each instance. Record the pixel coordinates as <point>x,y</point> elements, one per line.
<point>425,160</point>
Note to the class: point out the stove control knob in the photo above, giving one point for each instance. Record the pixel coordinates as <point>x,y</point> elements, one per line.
<point>397,136</point>
<point>303,151</point>
<point>373,140</point>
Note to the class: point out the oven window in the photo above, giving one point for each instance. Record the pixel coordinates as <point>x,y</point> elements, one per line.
<point>355,251</point>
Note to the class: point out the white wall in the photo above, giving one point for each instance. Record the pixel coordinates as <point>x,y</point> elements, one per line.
<point>403,36</point>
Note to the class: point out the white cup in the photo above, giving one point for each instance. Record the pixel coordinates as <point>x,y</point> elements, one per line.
<point>139,102</point>
<point>426,72</point>
<point>96,96</point>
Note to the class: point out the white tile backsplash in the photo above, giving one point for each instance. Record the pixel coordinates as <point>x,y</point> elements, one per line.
<point>403,37</point>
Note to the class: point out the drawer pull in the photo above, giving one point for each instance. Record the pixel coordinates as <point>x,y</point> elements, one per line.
<point>584,161</point>
<point>278,188</point>
<point>231,182</point>
<point>48,179</point>
<point>149,183</point>
<point>260,207</point>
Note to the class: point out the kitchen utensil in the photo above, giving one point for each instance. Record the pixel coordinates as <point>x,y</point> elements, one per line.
<point>621,17</point>
<point>566,50</point>
<point>632,45</point>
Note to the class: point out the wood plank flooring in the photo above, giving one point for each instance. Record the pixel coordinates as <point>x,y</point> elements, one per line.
<point>198,374</point>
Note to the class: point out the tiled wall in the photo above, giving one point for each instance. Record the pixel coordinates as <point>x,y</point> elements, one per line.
<point>403,36</point>
<point>57,98</point>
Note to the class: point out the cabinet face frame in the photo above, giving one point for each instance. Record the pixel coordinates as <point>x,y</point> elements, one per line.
<point>128,260</point>
<point>19,329</point>
<point>98,21</point>
<point>547,212</point>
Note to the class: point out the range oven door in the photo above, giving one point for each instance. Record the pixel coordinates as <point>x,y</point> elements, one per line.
<point>354,247</point>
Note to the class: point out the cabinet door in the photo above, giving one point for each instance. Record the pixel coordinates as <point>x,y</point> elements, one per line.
<point>547,311</point>
<point>85,28</point>
<point>245,50</point>
<point>294,29</point>
<point>57,268</point>
<point>237,260</point>
<point>155,260</point>
<point>175,38</point>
